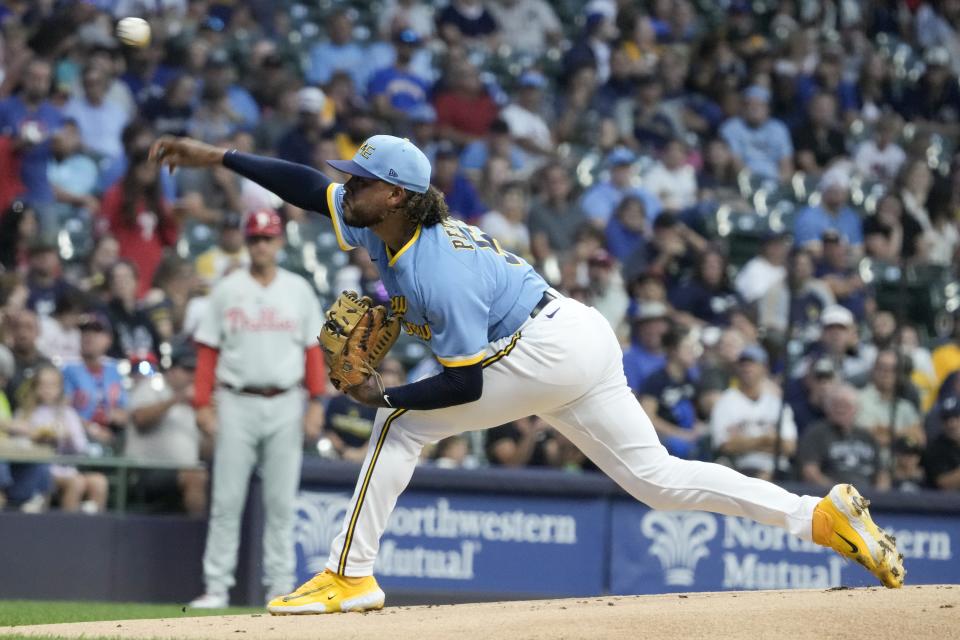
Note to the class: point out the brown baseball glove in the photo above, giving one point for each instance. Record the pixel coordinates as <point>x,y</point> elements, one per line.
<point>355,338</point>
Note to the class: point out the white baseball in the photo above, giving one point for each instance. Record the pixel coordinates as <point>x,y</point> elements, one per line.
<point>134,32</point>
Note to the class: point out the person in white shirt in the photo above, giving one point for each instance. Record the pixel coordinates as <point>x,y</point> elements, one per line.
<point>672,178</point>
<point>523,116</point>
<point>880,158</point>
<point>743,423</point>
<point>763,272</point>
<point>528,25</point>
<point>508,224</point>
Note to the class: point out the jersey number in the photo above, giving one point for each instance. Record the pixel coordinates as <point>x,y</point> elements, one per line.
<point>483,241</point>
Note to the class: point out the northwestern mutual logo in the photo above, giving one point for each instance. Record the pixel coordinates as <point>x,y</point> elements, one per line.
<point>679,542</point>
<point>435,541</point>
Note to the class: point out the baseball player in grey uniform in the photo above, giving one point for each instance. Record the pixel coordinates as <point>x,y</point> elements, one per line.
<point>256,347</point>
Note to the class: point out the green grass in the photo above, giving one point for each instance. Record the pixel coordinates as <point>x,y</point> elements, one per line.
<point>26,612</point>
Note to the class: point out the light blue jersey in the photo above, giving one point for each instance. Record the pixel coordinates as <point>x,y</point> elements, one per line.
<point>453,285</point>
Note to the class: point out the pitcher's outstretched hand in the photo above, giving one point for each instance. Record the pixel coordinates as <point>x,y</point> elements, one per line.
<point>185,152</point>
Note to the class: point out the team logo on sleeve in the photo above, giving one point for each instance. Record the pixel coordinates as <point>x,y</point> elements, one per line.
<point>398,305</point>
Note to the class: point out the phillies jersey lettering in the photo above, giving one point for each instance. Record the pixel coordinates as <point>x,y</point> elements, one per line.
<point>261,332</point>
<point>455,320</point>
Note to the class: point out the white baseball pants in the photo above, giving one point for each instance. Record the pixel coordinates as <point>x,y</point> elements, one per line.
<point>566,366</point>
<point>254,431</point>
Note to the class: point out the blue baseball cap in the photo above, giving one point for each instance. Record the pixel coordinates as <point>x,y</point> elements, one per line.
<point>391,159</point>
<point>620,156</point>
<point>532,79</point>
<point>754,353</point>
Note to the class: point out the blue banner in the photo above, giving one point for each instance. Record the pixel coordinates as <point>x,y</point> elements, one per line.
<point>468,543</point>
<point>665,552</point>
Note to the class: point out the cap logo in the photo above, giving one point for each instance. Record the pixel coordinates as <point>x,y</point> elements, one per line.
<point>393,174</point>
<point>366,150</point>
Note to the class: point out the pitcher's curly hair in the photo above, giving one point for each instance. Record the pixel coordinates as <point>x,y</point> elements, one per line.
<point>427,208</point>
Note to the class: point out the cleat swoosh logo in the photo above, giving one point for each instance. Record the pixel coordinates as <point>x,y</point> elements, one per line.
<point>305,594</point>
<point>331,596</point>
<point>550,315</point>
<point>853,548</point>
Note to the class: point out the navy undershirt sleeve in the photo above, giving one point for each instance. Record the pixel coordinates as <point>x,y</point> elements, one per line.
<point>298,184</point>
<point>450,387</point>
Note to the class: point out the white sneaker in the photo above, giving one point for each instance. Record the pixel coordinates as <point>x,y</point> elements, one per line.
<point>210,601</point>
<point>36,504</point>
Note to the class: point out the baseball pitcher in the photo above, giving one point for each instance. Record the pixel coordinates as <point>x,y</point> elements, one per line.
<point>510,347</point>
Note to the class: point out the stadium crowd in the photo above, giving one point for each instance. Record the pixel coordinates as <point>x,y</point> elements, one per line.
<point>761,198</point>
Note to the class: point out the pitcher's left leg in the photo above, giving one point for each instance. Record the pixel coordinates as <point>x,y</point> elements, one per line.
<point>611,428</point>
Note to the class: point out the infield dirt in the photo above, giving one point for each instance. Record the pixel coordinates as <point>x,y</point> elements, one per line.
<point>929,612</point>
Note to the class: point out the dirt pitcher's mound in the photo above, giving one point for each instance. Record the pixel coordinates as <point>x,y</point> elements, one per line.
<point>913,613</point>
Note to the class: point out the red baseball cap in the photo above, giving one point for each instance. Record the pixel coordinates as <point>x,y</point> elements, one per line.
<point>263,222</point>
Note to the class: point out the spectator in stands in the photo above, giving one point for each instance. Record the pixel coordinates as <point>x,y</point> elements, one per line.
<point>932,101</point>
<point>759,143</point>
<point>667,395</point>
<point>555,215</point>
<point>673,179</point>
<point>101,119</point>
<point>879,157</point>
<point>279,120</point>
<point>229,254</point>
<point>499,144</point>
<point>942,459</point>
<point>164,429</point>
<point>166,303</point>
<point>743,422</point>
<point>818,140</point>
<point>396,15</point>
<point>170,113</point>
<point>137,137</point>
<point>219,78</point>
<point>528,26</point>
<point>339,53</point>
<point>465,109</point>
<point>315,117</point>
<point>669,255</point>
<point>882,401</point>
<point>525,115</point>
<point>527,442</point>
<point>626,231</point>
<point>600,200</point>
<point>508,222</point>
<point>707,294</point>
<point>29,118</point>
<point>47,418</point>
<point>945,236</point>
<point>833,213</point>
<point>396,91</point>
<point>462,198</point>
<point>807,395</point>
<point>24,331</point>
<point>837,449</point>
<point>592,49</point>
<point>798,301</point>
<point>45,276</point>
<point>207,194</point>
<point>94,385</point>
<point>717,178</point>
<point>647,118</point>
<point>907,473</point>
<point>766,270</point>
<point>466,23</point>
<point>607,293</point>
<point>645,355</point>
<point>892,234</point>
<point>136,213</point>
<point>72,174</point>
<point>453,453</point>
<point>841,276</point>
<point>839,341</point>
<point>59,338</point>
<point>18,228</point>
<point>135,338</point>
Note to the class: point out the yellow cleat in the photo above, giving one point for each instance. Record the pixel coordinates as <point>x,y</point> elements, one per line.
<point>842,522</point>
<point>328,592</point>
